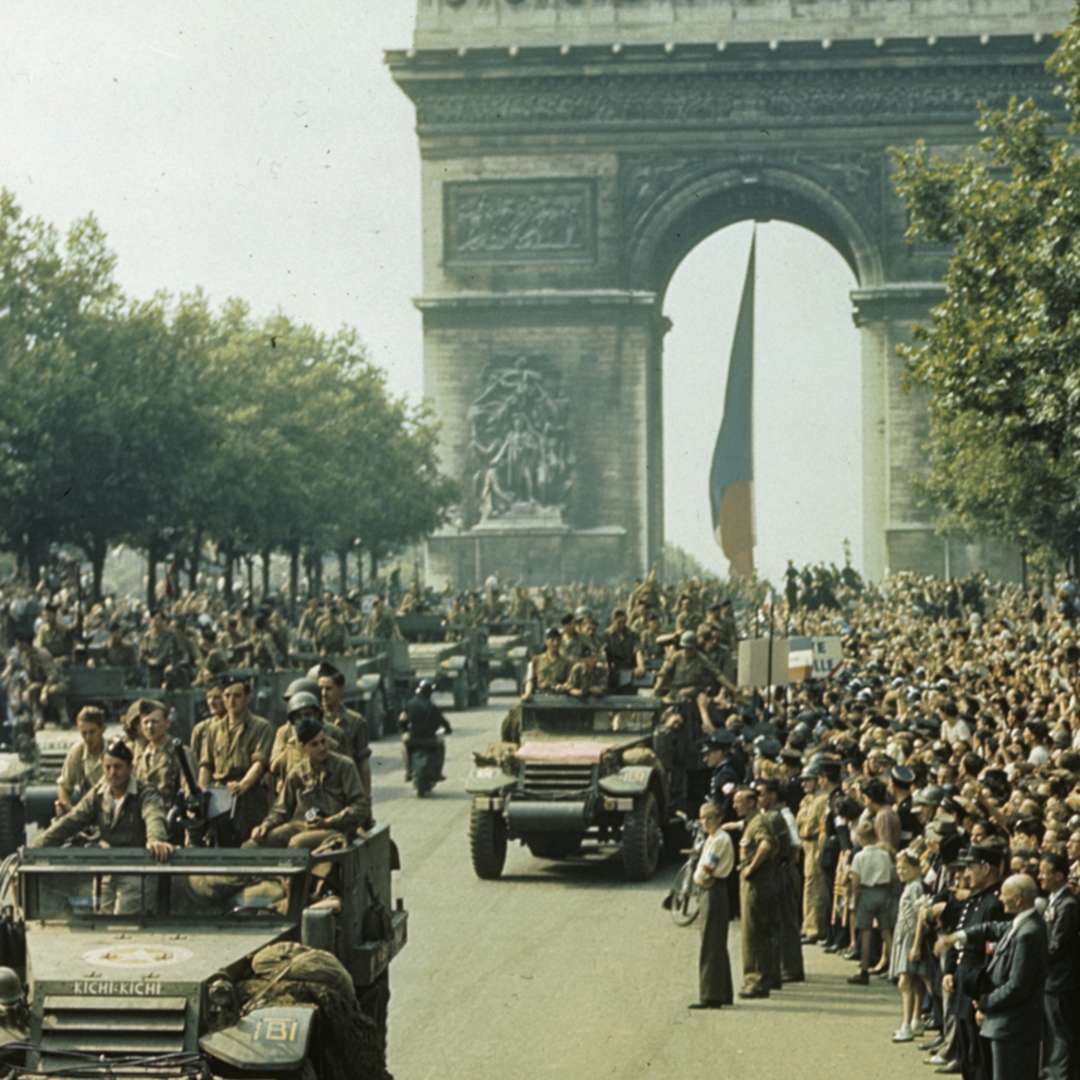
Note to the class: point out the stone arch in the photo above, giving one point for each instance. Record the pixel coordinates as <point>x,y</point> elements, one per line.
<point>680,218</point>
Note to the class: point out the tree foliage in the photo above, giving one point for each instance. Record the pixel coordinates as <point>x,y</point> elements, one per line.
<point>169,426</point>
<point>1001,356</point>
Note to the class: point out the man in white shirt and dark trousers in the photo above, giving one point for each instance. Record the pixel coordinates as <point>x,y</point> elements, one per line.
<point>1009,992</point>
<point>717,860</point>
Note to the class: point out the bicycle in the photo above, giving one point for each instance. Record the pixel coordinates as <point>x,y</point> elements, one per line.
<point>684,900</point>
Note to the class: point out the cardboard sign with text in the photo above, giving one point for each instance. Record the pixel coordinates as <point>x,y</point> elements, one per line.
<point>813,658</point>
<point>754,668</point>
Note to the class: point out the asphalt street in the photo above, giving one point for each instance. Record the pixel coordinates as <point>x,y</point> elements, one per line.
<point>563,970</point>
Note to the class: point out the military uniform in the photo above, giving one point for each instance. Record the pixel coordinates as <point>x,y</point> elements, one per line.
<point>81,770</point>
<point>789,907</point>
<point>332,789</point>
<point>160,649</point>
<point>381,625</point>
<point>550,672</point>
<point>586,681</point>
<point>119,654</point>
<point>758,899</point>
<point>286,753</point>
<point>228,752</point>
<point>810,821</point>
<point>42,675</point>
<point>264,652</point>
<point>683,672</point>
<point>355,744</point>
<point>332,636</point>
<point>159,768</point>
<point>55,639</point>
<point>621,648</point>
<point>572,646</point>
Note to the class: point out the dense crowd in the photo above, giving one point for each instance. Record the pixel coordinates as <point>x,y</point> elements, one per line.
<point>895,812</point>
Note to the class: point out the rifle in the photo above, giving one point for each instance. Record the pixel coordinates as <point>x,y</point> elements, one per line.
<point>191,812</point>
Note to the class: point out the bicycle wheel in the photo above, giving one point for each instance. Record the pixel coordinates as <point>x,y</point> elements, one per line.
<point>685,896</point>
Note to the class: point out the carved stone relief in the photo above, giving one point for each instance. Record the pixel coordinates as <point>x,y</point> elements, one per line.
<point>519,220</point>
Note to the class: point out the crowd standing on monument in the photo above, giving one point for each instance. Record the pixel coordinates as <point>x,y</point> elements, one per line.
<point>916,811</point>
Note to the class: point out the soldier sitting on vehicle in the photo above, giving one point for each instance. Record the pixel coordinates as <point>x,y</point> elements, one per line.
<point>126,813</point>
<point>82,767</point>
<point>35,683</point>
<point>586,678</point>
<point>623,651</point>
<point>287,751</point>
<point>320,797</point>
<point>549,670</point>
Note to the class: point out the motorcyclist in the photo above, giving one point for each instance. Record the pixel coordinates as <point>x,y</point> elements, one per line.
<point>421,722</point>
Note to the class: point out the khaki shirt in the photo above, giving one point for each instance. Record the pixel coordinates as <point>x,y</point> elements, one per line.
<point>683,670</point>
<point>353,730</point>
<point>230,750</point>
<point>333,789</point>
<point>80,771</point>
<point>581,678</point>
<point>159,767</point>
<point>286,754</point>
<point>130,821</point>
<point>810,820</point>
<point>549,673</point>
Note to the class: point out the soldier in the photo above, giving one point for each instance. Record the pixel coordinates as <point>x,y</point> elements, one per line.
<point>810,820</point>
<point>789,881</point>
<point>264,653</point>
<point>332,635</point>
<point>352,726</point>
<point>278,629</point>
<point>723,775</point>
<point>686,673</point>
<point>236,755</point>
<point>586,679</point>
<point>117,652</point>
<point>213,660</point>
<point>422,722</point>
<point>321,797</point>
<point>156,764</point>
<point>125,813</point>
<point>82,767</point>
<point>549,671</point>
<point>215,709</point>
<point>381,624</point>
<point>758,897</point>
<point>650,647</point>
<point>286,752</point>
<point>57,640</point>
<point>35,681</point>
<point>305,629</point>
<point>624,656</point>
<point>159,651</point>
<point>571,644</point>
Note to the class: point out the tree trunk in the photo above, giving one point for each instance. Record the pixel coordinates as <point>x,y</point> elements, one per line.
<point>317,561</point>
<point>265,573</point>
<point>249,564</point>
<point>98,551</point>
<point>194,560</point>
<point>230,561</point>
<point>294,580</point>
<point>343,570</point>
<point>152,555</point>
<point>374,566</point>
<point>360,569</point>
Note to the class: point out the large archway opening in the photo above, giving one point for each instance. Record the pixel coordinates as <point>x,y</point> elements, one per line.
<point>808,469</point>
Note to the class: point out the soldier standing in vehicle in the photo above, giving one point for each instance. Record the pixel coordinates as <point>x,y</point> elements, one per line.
<point>83,765</point>
<point>352,726</point>
<point>159,651</point>
<point>422,721</point>
<point>236,755</point>
<point>57,640</point>
<point>322,796</point>
<point>381,624</point>
<point>625,658</point>
<point>156,764</point>
<point>35,680</point>
<point>587,679</point>
<point>117,652</point>
<point>331,634</point>
<point>549,671</point>
<point>126,813</point>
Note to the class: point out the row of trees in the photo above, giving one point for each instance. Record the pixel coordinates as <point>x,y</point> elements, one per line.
<point>170,426</point>
<point>1001,357</point>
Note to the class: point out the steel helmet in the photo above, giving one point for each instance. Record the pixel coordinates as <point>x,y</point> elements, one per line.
<point>426,687</point>
<point>303,700</point>
<point>11,990</point>
<point>301,686</point>
<point>688,640</point>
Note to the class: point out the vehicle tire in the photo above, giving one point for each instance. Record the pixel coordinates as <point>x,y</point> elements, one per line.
<point>642,839</point>
<point>12,826</point>
<point>487,843</point>
<point>554,847</point>
<point>461,693</point>
<point>685,896</point>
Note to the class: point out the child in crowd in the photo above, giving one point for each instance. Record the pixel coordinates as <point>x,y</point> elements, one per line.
<point>905,962</point>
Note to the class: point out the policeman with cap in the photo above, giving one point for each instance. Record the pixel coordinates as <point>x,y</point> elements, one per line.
<point>723,776</point>
<point>901,781</point>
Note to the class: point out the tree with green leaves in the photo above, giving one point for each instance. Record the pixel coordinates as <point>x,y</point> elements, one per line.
<point>1001,355</point>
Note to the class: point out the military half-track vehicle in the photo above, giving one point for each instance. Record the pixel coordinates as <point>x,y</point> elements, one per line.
<point>458,667</point>
<point>584,773</point>
<point>507,650</point>
<point>175,990</point>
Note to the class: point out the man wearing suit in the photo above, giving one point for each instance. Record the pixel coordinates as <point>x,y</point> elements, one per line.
<point>1009,993</point>
<point>1060,1001</point>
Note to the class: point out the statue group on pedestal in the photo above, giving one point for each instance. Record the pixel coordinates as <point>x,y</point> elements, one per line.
<point>518,458</point>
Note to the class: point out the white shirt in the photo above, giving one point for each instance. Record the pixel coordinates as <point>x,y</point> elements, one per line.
<point>717,859</point>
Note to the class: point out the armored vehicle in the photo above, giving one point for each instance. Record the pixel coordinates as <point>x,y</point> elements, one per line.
<point>584,772</point>
<point>458,667</point>
<point>201,980</point>
<point>507,651</point>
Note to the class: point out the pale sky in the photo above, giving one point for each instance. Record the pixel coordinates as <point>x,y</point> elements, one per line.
<point>260,149</point>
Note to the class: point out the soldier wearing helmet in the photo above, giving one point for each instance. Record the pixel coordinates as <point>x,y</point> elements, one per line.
<point>421,721</point>
<point>286,752</point>
<point>686,672</point>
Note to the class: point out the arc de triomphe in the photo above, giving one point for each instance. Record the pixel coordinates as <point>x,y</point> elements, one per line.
<point>574,151</point>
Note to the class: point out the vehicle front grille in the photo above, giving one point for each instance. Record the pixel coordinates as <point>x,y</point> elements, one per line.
<point>51,764</point>
<point>117,1031</point>
<point>552,781</point>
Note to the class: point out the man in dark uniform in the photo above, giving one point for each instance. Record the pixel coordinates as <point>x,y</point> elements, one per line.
<point>901,782</point>
<point>789,881</point>
<point>723,776</point>
<point>625,659</point>
<point>1061,1001</point>
<point>423,720</point>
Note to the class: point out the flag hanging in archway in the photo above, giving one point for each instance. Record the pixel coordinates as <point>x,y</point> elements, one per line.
<point>731,478</point>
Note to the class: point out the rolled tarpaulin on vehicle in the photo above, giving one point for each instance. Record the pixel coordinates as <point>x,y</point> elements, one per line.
<point>523,818</point>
